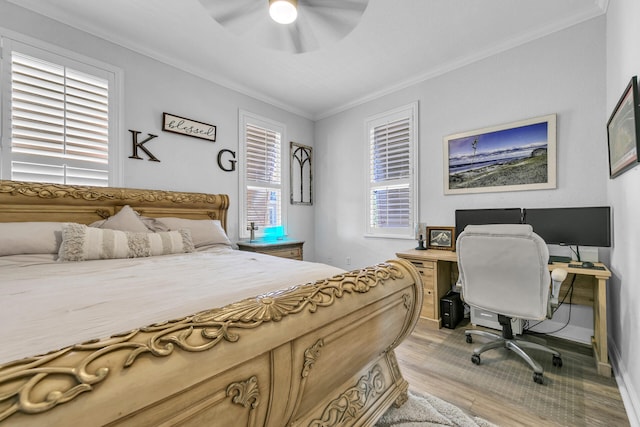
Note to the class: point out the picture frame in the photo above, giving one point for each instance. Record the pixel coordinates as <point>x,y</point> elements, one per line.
<point>188,127</point>
<point>514,156</point>
<point>301,174</point>
<point>442,238</point>
<point>623,131</point>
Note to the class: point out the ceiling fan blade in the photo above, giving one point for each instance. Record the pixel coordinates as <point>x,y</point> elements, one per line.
<point>356,5</point>
<point>234,15</point>
<point>329,25</point>
<point>296,39</point>
<point>303,38</point>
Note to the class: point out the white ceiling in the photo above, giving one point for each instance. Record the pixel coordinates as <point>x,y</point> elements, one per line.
<point>397,43</point>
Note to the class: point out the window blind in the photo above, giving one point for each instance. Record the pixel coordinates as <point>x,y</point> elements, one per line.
<point>390,173</point>
<point>263,171</point>
<point>59,123</point>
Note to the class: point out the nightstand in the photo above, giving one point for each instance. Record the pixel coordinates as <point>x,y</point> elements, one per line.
<point>286,248</point>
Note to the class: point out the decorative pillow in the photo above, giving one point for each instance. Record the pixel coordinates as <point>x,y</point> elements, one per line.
<point>125,220</point>
<point>30,237</point>
<point>153,224</point>
<point>80,243</point>
<point>204,232</point>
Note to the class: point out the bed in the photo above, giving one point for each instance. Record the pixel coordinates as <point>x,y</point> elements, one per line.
<point>281,343</point>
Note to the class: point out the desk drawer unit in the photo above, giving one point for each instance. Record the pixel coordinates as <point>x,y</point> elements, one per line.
<point>426,270</point>
<point>435,271</point>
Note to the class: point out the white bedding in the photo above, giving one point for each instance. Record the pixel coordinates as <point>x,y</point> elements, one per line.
<point>47,305</point>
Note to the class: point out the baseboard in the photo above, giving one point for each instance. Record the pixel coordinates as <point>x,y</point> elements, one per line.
<point>629,395</point>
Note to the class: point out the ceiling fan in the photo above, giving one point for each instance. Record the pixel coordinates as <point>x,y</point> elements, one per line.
<point>317,24</point>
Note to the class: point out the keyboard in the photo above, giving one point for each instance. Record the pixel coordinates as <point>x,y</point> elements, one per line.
<point>562,259</point>
<point>595,267</point>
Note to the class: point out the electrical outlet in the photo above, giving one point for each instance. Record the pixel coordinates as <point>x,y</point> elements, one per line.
<point>348,260</point>
<point>329,260</point>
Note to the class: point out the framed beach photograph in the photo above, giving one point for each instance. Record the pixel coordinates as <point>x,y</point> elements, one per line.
<point>441,238</point>
<point>511,157</point>
<point>623,131</point>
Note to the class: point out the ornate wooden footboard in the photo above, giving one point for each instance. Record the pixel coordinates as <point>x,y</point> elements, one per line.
<point>317,354</point>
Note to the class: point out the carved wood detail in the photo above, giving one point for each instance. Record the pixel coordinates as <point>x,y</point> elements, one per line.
<point>310,356</point>
<point>57,191</point>
<point>350,404</point>
<point>246,394</point>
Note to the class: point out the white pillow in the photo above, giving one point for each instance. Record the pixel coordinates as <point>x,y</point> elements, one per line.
<point>125,220</point>
<point>204,232</point>
<point>30,238</point>
<point>80,243</point>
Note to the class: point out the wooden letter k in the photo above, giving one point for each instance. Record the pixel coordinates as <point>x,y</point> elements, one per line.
<point>141,146</point>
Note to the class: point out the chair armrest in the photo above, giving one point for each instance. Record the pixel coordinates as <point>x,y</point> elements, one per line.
<point>557,277</point>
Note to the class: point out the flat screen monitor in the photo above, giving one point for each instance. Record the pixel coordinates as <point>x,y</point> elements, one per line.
<point>466,217</point>
<point>584,226</point>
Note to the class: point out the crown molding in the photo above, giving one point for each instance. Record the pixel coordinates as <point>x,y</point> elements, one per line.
<point>462,62</point>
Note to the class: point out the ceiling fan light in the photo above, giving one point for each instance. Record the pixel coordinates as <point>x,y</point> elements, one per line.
<point>283,11</point>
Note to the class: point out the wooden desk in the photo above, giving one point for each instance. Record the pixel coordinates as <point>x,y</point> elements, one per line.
<point>599,300</point>
<point>437,268</point>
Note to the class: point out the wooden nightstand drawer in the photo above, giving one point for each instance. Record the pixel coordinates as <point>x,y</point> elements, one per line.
<point>281,248</point>
<point>293,253</point>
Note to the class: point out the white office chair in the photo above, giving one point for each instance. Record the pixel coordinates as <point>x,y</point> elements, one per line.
<point>503,269</point>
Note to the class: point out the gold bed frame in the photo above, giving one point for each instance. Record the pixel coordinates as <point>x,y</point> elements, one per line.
<point>317,354</point>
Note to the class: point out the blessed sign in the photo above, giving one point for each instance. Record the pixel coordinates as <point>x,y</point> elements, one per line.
<point>181,125</point>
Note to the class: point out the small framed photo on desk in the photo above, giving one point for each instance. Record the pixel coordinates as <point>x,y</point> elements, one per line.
<point>441,238</point>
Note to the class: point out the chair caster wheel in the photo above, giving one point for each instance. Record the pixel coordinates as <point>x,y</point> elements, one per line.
<point>475,359</point>
<point>557,361</point>
<point>537,377</point>
<point>469,339</point>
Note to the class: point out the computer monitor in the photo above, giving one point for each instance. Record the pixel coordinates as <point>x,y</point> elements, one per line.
<point>583,226</point>
<point>466,217</point>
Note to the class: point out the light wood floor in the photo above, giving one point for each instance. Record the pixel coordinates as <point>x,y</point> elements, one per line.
<point>603,404</point>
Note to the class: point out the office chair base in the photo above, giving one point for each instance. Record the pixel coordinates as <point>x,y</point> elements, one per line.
<point>517,347</point>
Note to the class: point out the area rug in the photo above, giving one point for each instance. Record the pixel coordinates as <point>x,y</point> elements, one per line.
<point>424,410</point>
<point>503,374</point>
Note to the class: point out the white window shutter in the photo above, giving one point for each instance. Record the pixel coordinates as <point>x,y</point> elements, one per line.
<point>262,173</point>
<point>391,173</point>
<point>59,123</point>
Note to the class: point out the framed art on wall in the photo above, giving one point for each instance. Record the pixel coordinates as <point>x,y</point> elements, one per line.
<point>301,174</point>
<point>623,131</point>
<point>188,127</point>
<point>510,157</point>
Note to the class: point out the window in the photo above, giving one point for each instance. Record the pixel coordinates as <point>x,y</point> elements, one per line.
<point>58,119</point>
<point>391,173</point>
<point>261,175</point>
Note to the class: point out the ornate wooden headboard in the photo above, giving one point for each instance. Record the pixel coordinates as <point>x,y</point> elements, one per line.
<point>34,201</point>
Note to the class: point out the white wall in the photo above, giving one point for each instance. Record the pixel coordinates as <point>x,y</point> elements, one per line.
<point>563,73</point>
<point>151,88</point>
<point>623,62</point>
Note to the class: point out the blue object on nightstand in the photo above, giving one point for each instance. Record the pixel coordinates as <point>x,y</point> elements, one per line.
<point>274,233</point>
